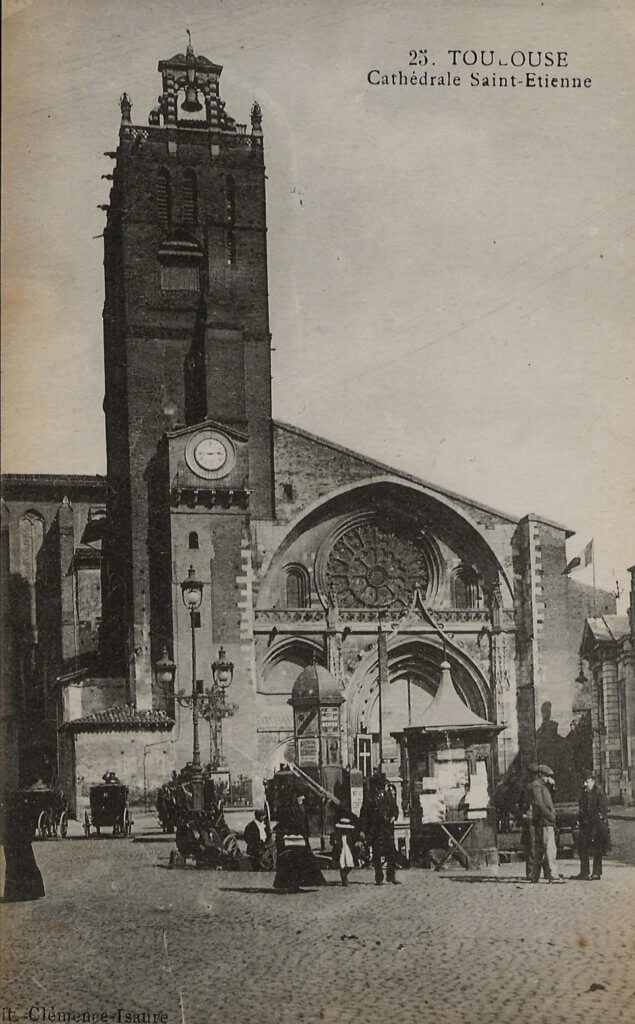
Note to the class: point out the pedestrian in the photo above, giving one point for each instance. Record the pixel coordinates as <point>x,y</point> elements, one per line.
<point>378,814</point>
<point>296,865</point>
<point>595,836</point>
<point>256,838</point>
<point>23,880</point>
<point>342,853</point>
<point>528,832</point>
<point>543,815</point>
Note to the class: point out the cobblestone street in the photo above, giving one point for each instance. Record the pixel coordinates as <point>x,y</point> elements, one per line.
<point>118,931</point>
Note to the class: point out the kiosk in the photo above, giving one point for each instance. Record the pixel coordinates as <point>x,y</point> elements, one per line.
<point>447,772</point>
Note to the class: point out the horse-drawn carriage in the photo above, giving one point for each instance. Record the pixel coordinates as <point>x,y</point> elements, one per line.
<point>207,839</point>
<point>202,833</point>
<point>47,808</point>
<point>108,809</point>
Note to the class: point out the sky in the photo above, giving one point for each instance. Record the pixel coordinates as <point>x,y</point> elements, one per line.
<point>450,267</point>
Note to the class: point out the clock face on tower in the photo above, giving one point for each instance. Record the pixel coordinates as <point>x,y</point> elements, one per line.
<point>210,454</point>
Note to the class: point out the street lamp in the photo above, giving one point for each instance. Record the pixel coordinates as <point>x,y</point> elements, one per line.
<point>192,591</point>
<point>217,707</point>
<point>165,670</point>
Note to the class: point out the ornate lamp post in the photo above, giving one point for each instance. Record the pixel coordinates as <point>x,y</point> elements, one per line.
<point>192,591</point>
<point>217,707</point>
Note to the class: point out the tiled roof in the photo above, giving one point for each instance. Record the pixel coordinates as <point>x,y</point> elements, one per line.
<point>120,718</point>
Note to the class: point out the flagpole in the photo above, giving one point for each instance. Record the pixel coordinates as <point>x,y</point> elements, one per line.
<point>593,562</point>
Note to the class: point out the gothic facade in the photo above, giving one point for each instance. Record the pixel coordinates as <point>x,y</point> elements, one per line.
<point>304,549</point>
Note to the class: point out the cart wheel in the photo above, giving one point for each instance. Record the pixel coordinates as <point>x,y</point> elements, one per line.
<point>230,846</point>
<point>268,859</point>
<point>43,825</point>
<point>125,828</point>
<point>86,824</point>
<point>63,824</point>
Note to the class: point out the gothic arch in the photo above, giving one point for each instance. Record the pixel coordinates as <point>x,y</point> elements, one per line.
<point>285,659</point>
<point>31,531</point>
<point>466,588</point>
<point>297,586</point>
<point>420,659</point>
<point>309,514</point>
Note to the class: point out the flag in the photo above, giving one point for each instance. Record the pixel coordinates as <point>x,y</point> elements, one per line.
<point>588,553</point>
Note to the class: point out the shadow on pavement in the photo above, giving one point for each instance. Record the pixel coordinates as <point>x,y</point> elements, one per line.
<point>153,839</point>
<point>487,878</point>
<point>259,890</point>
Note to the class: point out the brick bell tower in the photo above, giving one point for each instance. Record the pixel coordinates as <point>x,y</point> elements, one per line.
<point>188,388</point>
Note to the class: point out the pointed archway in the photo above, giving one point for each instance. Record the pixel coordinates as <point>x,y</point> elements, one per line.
<point>414,672</point>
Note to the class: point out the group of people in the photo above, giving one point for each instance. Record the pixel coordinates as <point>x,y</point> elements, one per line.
<point>296,864</point>
<point>539,827</point>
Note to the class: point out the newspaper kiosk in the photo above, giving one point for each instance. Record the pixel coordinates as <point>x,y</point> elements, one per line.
<point>446,764</point>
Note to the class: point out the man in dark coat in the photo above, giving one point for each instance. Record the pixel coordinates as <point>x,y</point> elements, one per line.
<point>378,814</point>
<point>256,838</point>
<point>528,832</point>
<point>543,814</point>
<point>594,828</point>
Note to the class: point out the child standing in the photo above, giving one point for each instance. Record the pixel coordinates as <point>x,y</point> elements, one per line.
<point>343,829</point>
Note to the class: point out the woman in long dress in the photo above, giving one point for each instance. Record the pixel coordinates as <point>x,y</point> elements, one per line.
<point>23,880</point>
<point>296,865</point>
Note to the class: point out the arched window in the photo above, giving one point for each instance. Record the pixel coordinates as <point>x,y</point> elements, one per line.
<point>163,197</point>
<point>230,198</point>
<point>31,538</point>
<point>193,541</point>
<point>467,593</point>
<point>190,198</point>
<point>298,590</point>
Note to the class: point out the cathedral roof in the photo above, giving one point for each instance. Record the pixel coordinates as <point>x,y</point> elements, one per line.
<point>414,479</point>
<point>316,683</point>
<point>120,718</point>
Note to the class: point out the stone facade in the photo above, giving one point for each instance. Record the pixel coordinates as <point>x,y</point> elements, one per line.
<point>51,583</point>
<point>608,645</point>
<point>303,548</point>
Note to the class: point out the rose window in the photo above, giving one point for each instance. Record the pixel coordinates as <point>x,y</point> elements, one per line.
<point>371,566</point>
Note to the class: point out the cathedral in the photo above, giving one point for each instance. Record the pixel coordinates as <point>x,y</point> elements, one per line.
<point>167,611</point>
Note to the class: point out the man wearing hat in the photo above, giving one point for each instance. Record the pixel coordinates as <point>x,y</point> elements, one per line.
<point>543,815</point>
<point>528,832</point>
<point>594,828</point>
<point>378,814</point>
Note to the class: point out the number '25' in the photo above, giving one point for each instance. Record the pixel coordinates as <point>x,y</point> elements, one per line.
<point>418,57</point>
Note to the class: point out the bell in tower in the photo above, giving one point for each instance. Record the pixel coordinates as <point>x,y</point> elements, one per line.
<point>191,102</point>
